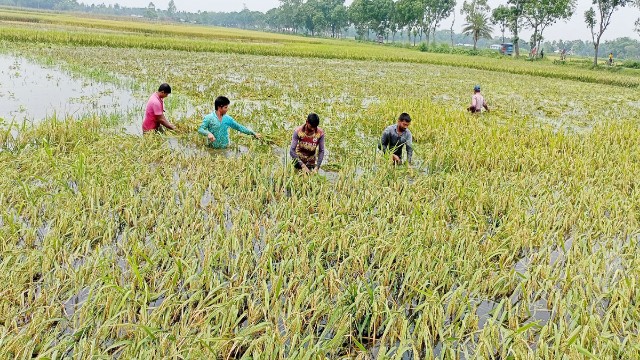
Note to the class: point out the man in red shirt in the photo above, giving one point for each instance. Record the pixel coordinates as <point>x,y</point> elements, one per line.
<point>154,114</point>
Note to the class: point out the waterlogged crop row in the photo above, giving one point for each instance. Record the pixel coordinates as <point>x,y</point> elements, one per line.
<point>201,255</point>
<point>514,235</point>
<point>277,92</point>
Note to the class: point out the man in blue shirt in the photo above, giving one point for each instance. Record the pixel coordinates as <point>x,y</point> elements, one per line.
<point>215,126</point>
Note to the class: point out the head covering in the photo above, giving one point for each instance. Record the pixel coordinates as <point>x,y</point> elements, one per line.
<point>476,88</point>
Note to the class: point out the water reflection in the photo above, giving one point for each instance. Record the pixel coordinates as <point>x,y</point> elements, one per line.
<point>30,93</point>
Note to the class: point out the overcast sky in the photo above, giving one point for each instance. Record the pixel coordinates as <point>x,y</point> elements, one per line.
<point>622,23</point>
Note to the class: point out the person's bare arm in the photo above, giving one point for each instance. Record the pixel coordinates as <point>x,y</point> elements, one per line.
<point>164,122</point>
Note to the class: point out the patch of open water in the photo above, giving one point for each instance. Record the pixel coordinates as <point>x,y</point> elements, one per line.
<point>30,93</point>
<point>75,302</point>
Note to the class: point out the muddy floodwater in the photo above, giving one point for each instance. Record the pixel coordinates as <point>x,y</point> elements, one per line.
<point>30,93</point>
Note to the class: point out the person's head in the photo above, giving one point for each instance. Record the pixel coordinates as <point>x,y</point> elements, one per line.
<point>221,104</point>
<point>164,90</point>
<point>476,89</point>
<point>313,120</point>
<point>404,120</point>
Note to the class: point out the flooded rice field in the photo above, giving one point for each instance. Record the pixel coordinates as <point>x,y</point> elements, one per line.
<point>513,235</point>
<point>30,93</point>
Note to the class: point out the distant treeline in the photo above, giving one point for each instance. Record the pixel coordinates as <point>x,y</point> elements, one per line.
<point>408,21</point>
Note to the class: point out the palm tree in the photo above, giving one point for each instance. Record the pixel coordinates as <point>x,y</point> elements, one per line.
<point>479,27</point>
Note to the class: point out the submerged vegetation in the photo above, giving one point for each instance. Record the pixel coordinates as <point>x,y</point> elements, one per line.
<point>515,235</point>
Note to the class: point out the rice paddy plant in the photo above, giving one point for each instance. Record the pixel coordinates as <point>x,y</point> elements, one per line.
<point>514,234</point>
<point>198,39</point>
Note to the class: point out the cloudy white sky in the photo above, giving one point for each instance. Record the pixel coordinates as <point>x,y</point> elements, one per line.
<point>622,22</point>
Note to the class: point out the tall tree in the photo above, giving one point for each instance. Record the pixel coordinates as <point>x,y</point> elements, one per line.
<point>409,14</point>
<point>291,14</point>
<point>501,17</point>
<point>66,5</point>
<point>637,23</point>
<point>514,23</point>
<point>478,27</point>
<point>172,10</point>
<point>540,14</point>
<point>380,16</point>
<point>477,20</point>
<point>151,11</point>
<point>273,19</point>
<point>338,18</point>
<point>436,11</point>
<point>599,20</point>
<point>472,7</point>
<point>451,30</point>
<point>359,16</point>
<point>314,17</point>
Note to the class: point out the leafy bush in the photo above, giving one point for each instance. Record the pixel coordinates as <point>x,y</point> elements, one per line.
<point>632,64</point>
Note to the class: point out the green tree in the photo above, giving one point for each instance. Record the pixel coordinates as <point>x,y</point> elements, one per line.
<point>273,19</point>
<point>338,18</point>
<point>379,16</point>
<point>451,33</point>
<point>637,23</point>
<point>324,15</point>
<point>540,14</point>
<point>151,12</point>
<point>501,17</point>
<point>515,8</point>
<point>470,8</point>
<point>291,14</point>
<point>600,20</point>
<point>478,26</point>
<point>172,10</point>
<point>436,11</point>
<point>359,16</point>
<point>409,15</point>
<point>314,17</point>
<point>67,5</point>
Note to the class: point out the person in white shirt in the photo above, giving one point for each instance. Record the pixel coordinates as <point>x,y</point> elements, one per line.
<point>477,101</point>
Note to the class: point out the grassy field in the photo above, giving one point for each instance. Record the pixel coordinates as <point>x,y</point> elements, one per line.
<point>36,27</point>
<point>515,235</point>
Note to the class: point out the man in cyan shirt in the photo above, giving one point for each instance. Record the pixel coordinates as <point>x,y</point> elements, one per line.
<point>396,137</point>
<point>477,101</point>
<point>215,126</point>
<point>154,113</point>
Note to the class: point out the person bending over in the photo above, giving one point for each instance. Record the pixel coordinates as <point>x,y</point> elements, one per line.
<point>307,145</point>
<point>154,117</point>
<point>477,101</point>
<point>397,137</point>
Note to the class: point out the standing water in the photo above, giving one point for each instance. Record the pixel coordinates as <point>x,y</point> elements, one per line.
<point>30,93</point>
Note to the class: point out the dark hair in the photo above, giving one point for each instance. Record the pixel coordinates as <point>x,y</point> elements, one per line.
<point>165,88</point>
<point>404,117</point>
<point>313,119</point>
<point>221,101</point>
